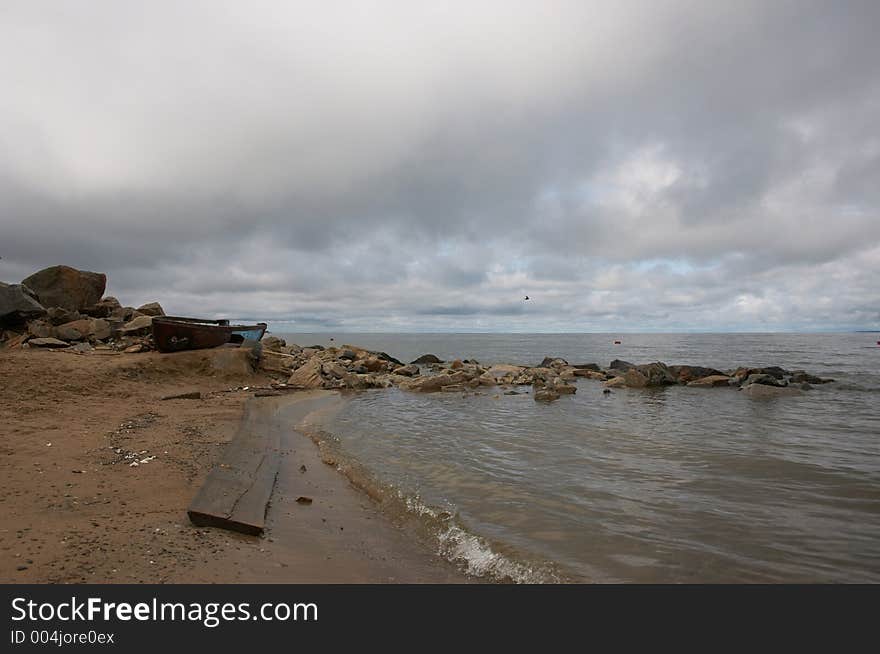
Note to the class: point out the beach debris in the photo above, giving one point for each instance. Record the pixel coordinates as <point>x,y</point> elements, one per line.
<point>302,499</point>
<point>303,468</point>
<point>191,395</point>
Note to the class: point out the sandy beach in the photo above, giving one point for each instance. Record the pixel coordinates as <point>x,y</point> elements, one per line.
<point>97,472</point>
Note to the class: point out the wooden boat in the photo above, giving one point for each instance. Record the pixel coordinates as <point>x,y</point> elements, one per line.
<point>173,333</point>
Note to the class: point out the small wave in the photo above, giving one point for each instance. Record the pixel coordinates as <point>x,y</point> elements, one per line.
<point>852,386</point>
<point>439,529</point>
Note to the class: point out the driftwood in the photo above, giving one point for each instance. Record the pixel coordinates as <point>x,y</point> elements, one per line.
<point>236,492</point>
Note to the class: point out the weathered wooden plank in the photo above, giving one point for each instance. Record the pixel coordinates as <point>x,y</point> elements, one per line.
<point>236,492</point>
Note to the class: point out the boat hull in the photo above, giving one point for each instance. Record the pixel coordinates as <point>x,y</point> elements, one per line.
<point>173,334</point>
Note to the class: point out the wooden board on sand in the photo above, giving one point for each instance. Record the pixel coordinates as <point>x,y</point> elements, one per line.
<point>236,492</point>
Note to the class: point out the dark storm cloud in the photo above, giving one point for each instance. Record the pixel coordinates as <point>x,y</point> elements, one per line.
<point>655,165</point>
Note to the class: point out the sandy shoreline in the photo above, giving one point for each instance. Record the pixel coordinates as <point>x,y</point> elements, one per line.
<point>76,511</point>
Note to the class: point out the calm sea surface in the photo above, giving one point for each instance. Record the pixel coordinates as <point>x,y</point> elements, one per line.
<point>671,485</point>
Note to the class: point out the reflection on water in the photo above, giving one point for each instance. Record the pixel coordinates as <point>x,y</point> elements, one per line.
<point>673,485</point>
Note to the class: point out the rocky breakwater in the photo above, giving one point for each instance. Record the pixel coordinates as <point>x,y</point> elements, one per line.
<point>64,308</point>
<point>352,367</point>
<point>759,382</point>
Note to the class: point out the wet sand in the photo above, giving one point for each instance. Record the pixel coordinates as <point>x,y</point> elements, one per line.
<point>74,509</point>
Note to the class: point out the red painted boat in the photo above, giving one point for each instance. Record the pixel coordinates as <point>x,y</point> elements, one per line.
<point>173,333</point>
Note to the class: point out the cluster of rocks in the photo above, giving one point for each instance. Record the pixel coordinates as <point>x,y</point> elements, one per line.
<point>62,307</point>
<point>351,367</point>
<point>766,381</point>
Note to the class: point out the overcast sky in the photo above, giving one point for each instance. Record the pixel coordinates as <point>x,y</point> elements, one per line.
<point>401,166</point>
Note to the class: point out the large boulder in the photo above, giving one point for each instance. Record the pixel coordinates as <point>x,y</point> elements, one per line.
<point>621,366</point>
<point>66,287</point>
<point>307,375</point>
<point>18,303</point>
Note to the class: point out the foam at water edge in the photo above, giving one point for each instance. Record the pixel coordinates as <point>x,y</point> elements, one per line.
<point>451,540</point>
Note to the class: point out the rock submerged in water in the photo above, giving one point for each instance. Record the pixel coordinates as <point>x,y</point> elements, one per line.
<point>426,359</point>
<point>650,374</point>
<point>766,391</point>
<point>546,395</point>
<point>710,381</point>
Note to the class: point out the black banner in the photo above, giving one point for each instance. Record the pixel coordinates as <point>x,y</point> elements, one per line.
<point>229,618</point>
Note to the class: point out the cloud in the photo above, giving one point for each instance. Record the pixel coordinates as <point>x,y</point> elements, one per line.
<point>395,166</point>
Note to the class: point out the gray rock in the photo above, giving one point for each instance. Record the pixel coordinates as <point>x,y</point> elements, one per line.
<point>587,366</point>
<point>650,374</point>
<point>347,354</point>
<point>274,343</point>
<point>622,366</point>
<point>686,374</point>
<point>546,395</point>
<point>151,309</point>
<point>60,316</point>
<point>307,375</point>
<point>409,370</point>
<point>18,303</point>
<point>46,342</point>
<point>140,325</point>
<point>104,308</point>
<point>764,379</point>
<point>710,381</point>
<point>39,329</point>
<point>66,287</point>
<point>101,329</point>
<point>553,362</point>
<point>75,330</point>
<point>427,358</point>
<point>334,369</point>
